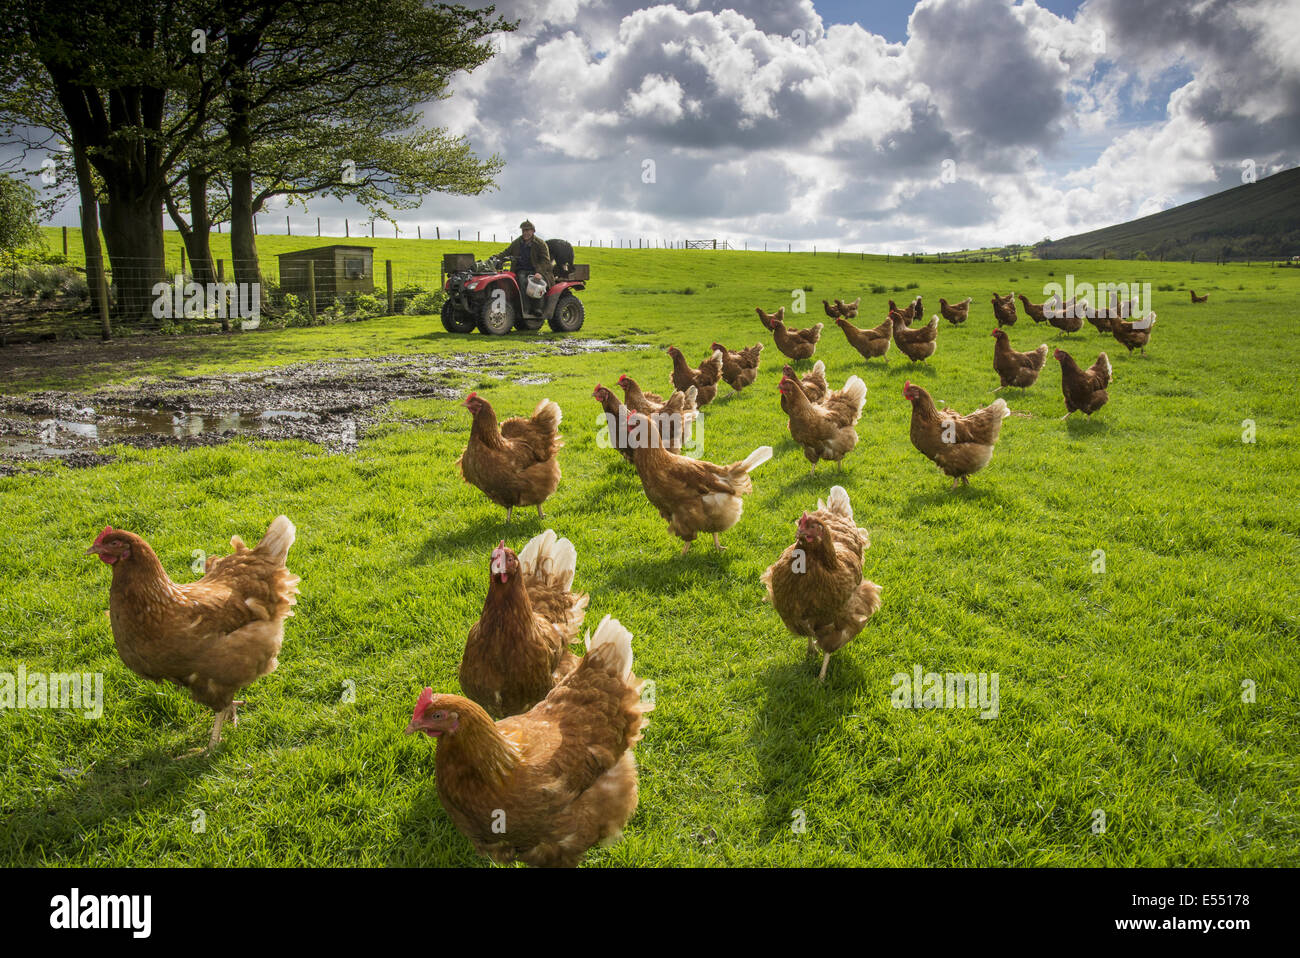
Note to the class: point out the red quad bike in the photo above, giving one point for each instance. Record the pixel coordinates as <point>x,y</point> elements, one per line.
<point>483,295</point>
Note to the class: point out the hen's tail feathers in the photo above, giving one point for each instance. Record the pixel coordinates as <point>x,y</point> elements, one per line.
<point>819,369</point>
<point>855,390</point>
<point>550,559</point>
<point>275,544</point>
<point>1001,406</point>
<point>756,458</point>
<point>838,502</point>
<point>691,393</point>
<point>611,632</point>
<point>868,599</point>
<point>1103,362</point>
<point>547,414</point>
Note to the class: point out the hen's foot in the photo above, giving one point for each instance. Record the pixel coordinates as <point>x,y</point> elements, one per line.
<point>540,514</point>
<point>717,544</point>
<point>826,660</point>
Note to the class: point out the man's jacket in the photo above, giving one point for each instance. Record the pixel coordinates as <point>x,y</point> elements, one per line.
<point>541,257</point>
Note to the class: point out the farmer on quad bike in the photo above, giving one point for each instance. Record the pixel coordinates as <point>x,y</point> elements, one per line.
<point>529,256</point>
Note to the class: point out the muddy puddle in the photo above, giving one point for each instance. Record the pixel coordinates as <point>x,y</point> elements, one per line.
<point>330,403</point>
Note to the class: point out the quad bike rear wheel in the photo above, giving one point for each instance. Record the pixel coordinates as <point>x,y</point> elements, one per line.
<point>568,315</point>
<point>455,320</point>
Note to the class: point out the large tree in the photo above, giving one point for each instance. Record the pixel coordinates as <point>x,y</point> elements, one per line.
<point>117,69</point>
<point>325,98</point>
<point>169,102</point>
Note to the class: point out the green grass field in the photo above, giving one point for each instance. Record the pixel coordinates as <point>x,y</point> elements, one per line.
<point>1120,691</point>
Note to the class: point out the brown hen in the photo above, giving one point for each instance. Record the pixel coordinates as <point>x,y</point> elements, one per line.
<point>212,637</point>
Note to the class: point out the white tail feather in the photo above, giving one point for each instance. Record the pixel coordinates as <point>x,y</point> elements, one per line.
<point>856,391</point>
<point>756,458</point>
<point>1001,405</point>
<point>819,367</point>
<point>546,555</point>
<point>838,502</point>
<point>546,402</point>
<point>279,537</point>
<point>611,632</point>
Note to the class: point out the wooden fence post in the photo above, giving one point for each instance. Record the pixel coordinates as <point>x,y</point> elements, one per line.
<point>346,229</point>
<point>182,260</point>
<point>372,229</point>
<point>221,278</point>
<point>288,230</point>
<point>318,226</point>
<point>388,277</point>
<point>311,287</point>
<point>438,231</point>
<point>418,233</point>
<point>65,242</point>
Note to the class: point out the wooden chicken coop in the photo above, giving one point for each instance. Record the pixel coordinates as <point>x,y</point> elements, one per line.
<point>338,269</point>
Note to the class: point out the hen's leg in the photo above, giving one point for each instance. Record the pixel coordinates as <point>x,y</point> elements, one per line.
<point>1066,416</point>
<point>826,660</point>
<point>215,739</point>
<point>509,510</point>
<point>955,480</point>
<point>965,480</point>
<point>717,544</point>
<point>540,514</point>
<point>813,472</point>
<point>812,645</point>
<point>686,547</point>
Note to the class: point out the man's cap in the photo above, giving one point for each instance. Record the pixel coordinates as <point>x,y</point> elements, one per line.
<point>528,225</point>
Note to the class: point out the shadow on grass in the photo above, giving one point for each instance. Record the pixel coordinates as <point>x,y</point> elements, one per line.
<point>483,535</point>
<point>669,572</point>
<point>911,369</point>
<point>1080,426</point>
<point>786,747</point>
<point>117,786</point>
<point>429,839</point>
<point>818,484</point>
<point>942,492</point>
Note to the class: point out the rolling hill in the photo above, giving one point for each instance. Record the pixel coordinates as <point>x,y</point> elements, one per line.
<point>1258,220</point>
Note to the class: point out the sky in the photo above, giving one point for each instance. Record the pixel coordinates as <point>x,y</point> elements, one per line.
<point>873,125</point>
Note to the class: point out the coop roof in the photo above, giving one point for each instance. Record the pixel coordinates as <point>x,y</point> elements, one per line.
<point>316,250</point>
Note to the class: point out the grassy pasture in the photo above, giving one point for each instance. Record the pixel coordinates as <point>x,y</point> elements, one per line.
<point>1120,691</point>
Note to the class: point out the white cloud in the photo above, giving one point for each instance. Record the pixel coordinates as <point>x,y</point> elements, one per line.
<point>764,123</point>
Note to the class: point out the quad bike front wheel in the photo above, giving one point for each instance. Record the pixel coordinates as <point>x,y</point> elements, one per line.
<point>497,317</point>
<point>456,320</point>
<point>568,315</point>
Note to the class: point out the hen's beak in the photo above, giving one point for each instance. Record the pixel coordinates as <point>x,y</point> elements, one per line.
<point>94,551</point>
<point>411,727</point>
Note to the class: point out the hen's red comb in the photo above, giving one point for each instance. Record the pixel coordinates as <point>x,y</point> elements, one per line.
<point>100,538</point>
<point>425,700</point>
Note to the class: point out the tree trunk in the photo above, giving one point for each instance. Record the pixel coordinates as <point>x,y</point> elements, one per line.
<point>90,236</point>
<point>195,234</point>
<point>134,237</point>
<point>243,241</point>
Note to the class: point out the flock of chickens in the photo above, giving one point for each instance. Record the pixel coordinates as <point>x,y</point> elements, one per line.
<point>535,760</point>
